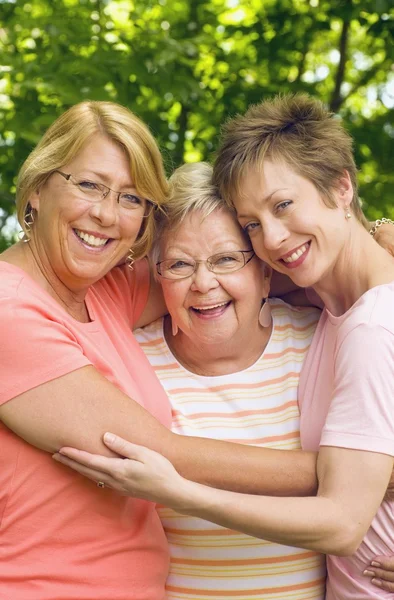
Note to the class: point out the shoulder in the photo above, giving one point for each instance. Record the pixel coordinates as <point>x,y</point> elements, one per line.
<point>150,333</point>
<point>19,293</point>
<point>372,317</point>
<point>121,280</point>
<point>297,318</point>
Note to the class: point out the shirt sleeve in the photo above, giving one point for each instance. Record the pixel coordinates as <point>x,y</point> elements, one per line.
<point>362,408</point>
<point>35,348</point>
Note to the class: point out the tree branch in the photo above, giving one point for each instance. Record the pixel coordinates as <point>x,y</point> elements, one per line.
<point>336,99</point>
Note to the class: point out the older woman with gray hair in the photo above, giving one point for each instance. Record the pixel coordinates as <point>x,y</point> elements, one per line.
<point>229,360</point>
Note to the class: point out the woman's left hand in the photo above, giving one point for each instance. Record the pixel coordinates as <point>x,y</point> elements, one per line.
<point>143,473</point>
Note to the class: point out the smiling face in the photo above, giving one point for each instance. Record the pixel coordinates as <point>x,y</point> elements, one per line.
<point>289,225</point>
<point>79,241</point>
<point>207,307</point>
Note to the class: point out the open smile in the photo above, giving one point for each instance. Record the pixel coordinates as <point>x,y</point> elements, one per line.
<point>91,241</point>
<point>211,311</point>
<point>296,257</point>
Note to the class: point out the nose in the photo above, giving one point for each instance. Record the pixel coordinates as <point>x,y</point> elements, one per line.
<point>203,279</point>
<point>106,211</point>
<point>274,234</point>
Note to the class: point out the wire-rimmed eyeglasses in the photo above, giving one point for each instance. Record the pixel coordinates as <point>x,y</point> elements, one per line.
<point>96,192</point>
<point>220,264</point>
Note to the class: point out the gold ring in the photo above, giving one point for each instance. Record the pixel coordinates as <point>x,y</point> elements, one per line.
<point>101,484</point>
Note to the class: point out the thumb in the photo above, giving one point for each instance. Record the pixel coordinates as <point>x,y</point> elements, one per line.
<point>122,446</point>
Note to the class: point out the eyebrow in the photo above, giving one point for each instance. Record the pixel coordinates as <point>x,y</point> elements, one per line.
<point>104,176</point>
<point>264,199</point>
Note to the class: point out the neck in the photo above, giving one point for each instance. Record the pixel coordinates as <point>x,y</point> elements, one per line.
<point>26,256</point>
<point>221,358</point>
<point>362,264</point>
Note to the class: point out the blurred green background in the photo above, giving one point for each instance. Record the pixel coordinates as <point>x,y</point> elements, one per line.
<point>184,66</point>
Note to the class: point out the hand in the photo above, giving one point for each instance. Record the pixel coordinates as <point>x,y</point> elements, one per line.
<point>381,570</point>
<point>385,237</point>
<point>143,473</point>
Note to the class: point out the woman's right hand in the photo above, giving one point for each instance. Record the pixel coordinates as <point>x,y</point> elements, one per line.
<point>142,473</point>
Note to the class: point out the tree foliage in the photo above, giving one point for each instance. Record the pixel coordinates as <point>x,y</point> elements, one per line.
<point>184,66</point>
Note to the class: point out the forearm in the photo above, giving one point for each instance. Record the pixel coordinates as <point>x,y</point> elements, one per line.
<point>314,523</point>
<point>246,469</point>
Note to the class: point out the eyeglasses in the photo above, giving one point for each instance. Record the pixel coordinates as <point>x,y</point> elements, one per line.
<point>96,192</point>
<point>220,264</point>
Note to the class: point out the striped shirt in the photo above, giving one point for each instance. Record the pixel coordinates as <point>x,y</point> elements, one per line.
<point>255,406</point>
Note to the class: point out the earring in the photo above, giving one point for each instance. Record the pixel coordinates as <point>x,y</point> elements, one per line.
<point>130,259</point>
<point>28,221</point>
<point>265,317</point>
<point>174,328</point>
<point>348,214</point>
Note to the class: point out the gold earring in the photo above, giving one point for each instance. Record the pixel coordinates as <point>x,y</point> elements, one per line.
<point>28,221</point>
<point>130,259</point>
<point>348,214</point>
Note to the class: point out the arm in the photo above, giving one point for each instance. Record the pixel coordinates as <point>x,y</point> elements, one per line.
<point>51,396</point>
<point>334,522</point>
<point>76,410</point>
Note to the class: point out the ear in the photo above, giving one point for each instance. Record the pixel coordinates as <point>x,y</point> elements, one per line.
<point>34,199</point>
<point>344,190</point>
<point>267,275</point>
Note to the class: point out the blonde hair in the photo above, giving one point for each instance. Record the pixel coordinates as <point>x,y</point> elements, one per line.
<point>66,137</point>
<point>191,190</point>
<point>294,129</point>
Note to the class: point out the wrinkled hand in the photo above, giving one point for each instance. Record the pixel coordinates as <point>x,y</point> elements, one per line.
<point>385,237</point>
<point>143,473</point>
<point>381,570</point>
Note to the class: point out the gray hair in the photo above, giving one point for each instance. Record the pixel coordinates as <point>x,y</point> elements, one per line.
<point>191,190</point>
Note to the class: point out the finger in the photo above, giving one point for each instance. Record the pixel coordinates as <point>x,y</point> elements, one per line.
<point>93,461</point>
<point>92,474</point>
<point>123,447</point>
<point>383,585</point>
<point>387,576</point>
<point>383,562</point>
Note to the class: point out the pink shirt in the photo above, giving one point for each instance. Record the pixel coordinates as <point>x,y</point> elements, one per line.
<point>62,538</point>
<point>347,400</point>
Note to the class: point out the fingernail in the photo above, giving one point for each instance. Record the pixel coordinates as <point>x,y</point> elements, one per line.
<point>377,582</point>
<point>55,456</point>
<point>369,573</point>
<point>374,563</point>
<point>109,437</point>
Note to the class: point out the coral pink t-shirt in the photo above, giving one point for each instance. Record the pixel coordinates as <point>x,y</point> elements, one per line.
<point>61,537</point>
<point>347,401</point>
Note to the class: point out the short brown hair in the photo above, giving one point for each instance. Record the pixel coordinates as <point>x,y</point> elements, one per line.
<point>295,129</point>
<point>66,137</point>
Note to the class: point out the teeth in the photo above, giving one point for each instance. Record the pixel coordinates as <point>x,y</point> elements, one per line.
<point>296,254</point>
<point>91,240</point>
<point>209,307</point>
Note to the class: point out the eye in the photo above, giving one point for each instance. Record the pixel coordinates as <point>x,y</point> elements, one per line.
<point>282,205</point>
<point>178,265</point>
<point>88,185</point>
<point>224,259</point>
<point>131,199</point>
<point>251,227</point>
